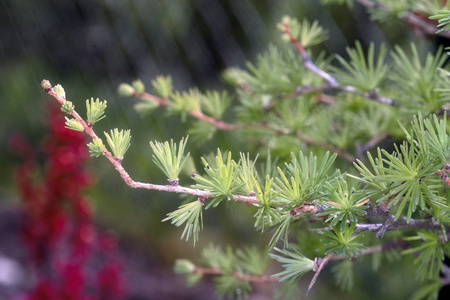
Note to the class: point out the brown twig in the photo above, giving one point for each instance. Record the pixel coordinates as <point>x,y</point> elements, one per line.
<point>301,90</point>
<point>320,264</point>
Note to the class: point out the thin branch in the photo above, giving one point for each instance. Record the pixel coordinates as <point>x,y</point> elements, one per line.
<point>410,18</point>
<point>221,125</point>
<point>375,140</point>
<point>395,226</point>
<point>151,98</point>
<point>117,163</point>
<point>301,90</point>
<point>310,65</point>
<point>320,264</point>
<point>240,276</point>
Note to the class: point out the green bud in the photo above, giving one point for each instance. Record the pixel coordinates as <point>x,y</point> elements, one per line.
<point>46,85</point>
<point>183,266</point>
<point>67,107</point>
<point>139,86</point>
<point>96,148</point>
<point>74,125</point>
<point>119,141</point>
<point>59,90</point>
<point>125,90</point>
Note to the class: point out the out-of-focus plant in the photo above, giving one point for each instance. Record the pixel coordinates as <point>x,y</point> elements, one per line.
<point>57,224</point>
<point>350,199</point>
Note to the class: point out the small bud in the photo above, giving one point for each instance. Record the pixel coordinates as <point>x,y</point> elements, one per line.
<point>139,86</point>
<point>67,107</point>
<point>46,85</point>
<point>96,148</point>
<point>183,266</point>
<point>59,90</point>
<point>125,90</point>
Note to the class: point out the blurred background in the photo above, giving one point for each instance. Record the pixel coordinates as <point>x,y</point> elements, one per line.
<point>90,47</point>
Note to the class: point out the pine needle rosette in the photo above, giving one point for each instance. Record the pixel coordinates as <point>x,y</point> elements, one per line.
<point>170,158</point>
<point>343,242</point>
<point>189,214</point>
<point>95,110</point>
<point>365,72</point>
<point>96,147</point>
<point>308,34</point>
<point>344,204</point>
<point>163,86</point>
<point>294,263</point>
<point>221,178</point>
<point>119,142</point>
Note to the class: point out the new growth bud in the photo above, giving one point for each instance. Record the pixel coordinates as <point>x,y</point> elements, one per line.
<point>46,85</point>
<point>184,266</point>
<point>59,90</point>
<point>125,90</point>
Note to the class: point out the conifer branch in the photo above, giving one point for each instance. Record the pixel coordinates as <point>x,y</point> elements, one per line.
<point>221,125</point>
<point>332,82</point>
<point>117,163</point>
<point>408,17</point>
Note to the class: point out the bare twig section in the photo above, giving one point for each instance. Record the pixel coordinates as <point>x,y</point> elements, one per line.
<point>375,140</point>
<point>301,90</point>
<point>409,17</point>
<point>117,163</point>
<point>319,265</point>
<point>151,98</point>
<point>239,276</point>
<point>216,123</point>
<point>400,224</point>
<point>332,82</point>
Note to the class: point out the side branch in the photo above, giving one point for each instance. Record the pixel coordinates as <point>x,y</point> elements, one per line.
<point>408,17</point>
<point>221,125</point>
<point>117,163</point>
<point>310,65</point>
